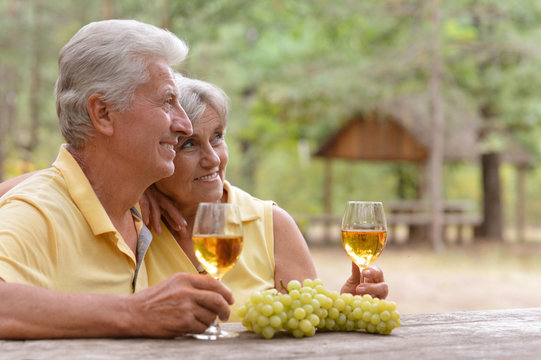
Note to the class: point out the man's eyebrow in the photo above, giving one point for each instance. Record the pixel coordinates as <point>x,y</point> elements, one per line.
<point>170,92</point>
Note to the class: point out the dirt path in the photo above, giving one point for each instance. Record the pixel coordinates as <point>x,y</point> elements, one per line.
<point>470,277</point>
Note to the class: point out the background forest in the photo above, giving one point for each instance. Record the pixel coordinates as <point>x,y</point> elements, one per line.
<point>295,71</point>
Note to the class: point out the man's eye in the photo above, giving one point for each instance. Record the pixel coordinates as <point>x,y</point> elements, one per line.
<point>170,103</point>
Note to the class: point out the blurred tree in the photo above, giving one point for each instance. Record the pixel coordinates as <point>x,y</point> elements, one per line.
<point>295,70</point>
<point>492,45</point>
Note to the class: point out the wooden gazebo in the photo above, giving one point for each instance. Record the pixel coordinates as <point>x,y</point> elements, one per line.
<point>401,132</point>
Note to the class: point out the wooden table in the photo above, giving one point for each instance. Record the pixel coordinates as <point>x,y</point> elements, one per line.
<point>495,334</point>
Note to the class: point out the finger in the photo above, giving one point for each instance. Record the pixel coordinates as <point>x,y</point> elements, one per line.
<point>214,303</point>
<point>143,204</point>
<point>171,222</point>
<point>373,274</point>
<point>204,282</point>
<point>204,316</point>
<point>379,290</point>
<point>355,273</point>
<point>155,214</point>
<point>173,215</point>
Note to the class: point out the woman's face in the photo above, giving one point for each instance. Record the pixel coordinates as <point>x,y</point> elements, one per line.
<point>199,164</point>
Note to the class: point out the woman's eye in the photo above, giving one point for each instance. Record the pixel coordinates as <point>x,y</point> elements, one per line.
<point>219,136</point>
<point>186,145</point>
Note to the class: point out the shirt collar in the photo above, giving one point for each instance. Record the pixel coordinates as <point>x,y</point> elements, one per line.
<point>248,212</point>
<point>82,193</point>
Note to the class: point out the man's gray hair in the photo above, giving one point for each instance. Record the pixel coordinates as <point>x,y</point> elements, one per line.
<point>108,57</point>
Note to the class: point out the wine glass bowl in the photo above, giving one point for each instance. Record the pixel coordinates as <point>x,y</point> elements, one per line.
<point>217,240</point>
<point>364,232</point>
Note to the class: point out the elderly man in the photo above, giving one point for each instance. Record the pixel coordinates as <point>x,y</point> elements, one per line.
<point>71,243</point>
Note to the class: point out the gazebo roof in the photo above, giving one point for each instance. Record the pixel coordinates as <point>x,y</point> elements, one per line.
<point>401,131</point>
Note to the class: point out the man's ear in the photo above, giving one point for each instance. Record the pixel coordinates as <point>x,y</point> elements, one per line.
<point>100,115</point>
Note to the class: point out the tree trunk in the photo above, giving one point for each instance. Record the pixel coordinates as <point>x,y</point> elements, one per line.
<point>521,203</point>
<point>492,227</point>
<point>436,151</point>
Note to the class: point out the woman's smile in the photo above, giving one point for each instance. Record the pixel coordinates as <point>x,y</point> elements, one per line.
<point>210,177</point>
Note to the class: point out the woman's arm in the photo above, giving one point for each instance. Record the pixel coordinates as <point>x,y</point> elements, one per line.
<point>293,260</point>
<point>291,255</point>
<point>8,184</point>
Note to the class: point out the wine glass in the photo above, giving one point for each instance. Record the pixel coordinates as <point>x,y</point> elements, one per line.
<point>217,242</point>
<point>364,232</point>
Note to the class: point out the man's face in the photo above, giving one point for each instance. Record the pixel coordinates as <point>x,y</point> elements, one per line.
<point>147,132</point>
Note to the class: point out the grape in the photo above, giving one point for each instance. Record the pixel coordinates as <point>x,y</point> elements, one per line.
<point>278,307</point>
<point>305,325</point>
<point>358,314</point>
<point>333,313</point>
<point>341,319</point>
<point>385,316</point>
<point>268,299</point>
<point>293,285</point>
<point>306,298</point>
<point>267,332</point>
<point>293,323</point>
<point>314,319</point>
<point>267,310</point>
<point>262,321</point>
<point>295,294</point>
<point>299,313</point>
<point>339,304</point>
<point>308,307</point>
<point>275,321</point>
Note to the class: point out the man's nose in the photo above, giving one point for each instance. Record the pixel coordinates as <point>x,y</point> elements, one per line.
<point>181,123</point>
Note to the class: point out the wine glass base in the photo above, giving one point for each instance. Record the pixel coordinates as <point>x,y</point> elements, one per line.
<point>216,336</point>
<point>214,333</point>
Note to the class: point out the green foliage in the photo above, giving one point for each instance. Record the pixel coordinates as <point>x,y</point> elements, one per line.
<point>297,70</point>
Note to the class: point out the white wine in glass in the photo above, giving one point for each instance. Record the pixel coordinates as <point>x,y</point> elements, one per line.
<point>217,242</point>
<point>364,232</point>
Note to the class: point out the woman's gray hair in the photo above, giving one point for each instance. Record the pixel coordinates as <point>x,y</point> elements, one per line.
<point>194,96</point>
<point>107,57</point>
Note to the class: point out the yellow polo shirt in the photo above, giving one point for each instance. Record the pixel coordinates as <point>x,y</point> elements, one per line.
<point>55,234</point>
<point>253,271</point>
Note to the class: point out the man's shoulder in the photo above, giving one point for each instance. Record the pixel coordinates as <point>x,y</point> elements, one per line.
<point>45,186</point>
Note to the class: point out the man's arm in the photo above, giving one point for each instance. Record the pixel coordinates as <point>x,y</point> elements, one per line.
<point>183,303</point>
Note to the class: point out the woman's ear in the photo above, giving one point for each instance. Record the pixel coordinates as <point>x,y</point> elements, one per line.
<point>99,113</point>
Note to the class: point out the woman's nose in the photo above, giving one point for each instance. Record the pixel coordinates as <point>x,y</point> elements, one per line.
<point>210,158</point>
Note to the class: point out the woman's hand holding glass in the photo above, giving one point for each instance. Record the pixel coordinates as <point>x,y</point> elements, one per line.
<point>364,234</point>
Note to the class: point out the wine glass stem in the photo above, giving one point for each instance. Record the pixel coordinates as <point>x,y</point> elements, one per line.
<point>216,324</point>
<point>361,277</point>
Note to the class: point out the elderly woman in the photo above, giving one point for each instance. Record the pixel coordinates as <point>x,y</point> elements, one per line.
<point>274,249</point>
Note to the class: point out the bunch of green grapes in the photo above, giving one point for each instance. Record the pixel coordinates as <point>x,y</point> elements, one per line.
<point>309,307</point>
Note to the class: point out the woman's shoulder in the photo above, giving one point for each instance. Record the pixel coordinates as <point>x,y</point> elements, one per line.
<point>239,196</point>
<point>251,206</point>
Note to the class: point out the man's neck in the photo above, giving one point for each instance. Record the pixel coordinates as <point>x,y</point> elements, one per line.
<point>116,188</point>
